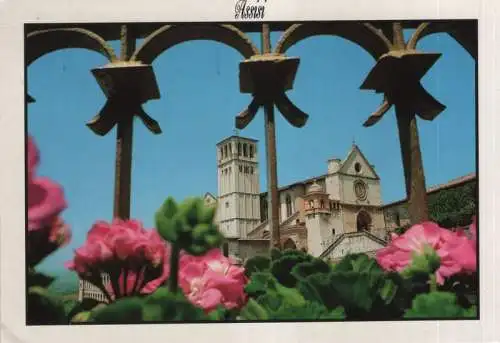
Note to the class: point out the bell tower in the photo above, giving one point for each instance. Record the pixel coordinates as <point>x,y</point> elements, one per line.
<point>317,217</point>
<point>238,186</point>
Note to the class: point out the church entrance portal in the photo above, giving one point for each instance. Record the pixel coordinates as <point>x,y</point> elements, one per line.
<point>363,221</point>
<point>289,244</point>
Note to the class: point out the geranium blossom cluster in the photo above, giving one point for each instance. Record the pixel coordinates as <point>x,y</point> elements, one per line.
<point>211,280</point>
<point>46,229</point>
<point>138,261</point>
<point>457,252</point>
<point>135,259</point>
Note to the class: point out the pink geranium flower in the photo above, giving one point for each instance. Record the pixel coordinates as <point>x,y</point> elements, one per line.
<point>46,230</point>
<point>135,259</point>
<point>45,202</point>
<point>457,253</point>
<point>33,158</point>
<point>211,280</point>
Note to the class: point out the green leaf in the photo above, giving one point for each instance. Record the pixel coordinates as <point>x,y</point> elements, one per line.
<point>219,314</point>
<point>207,214</point>
<point>304,269</point>
<point>196,249</point>
<point>167,228</point>
<point>353,289</point>
<point>336,314</point>
<point>201,230</point>
<point>39,279</point>
<point>281,269</point>
<point>351,262</point>
<point>190,210</point>
<point>152,313</point>
<point>81,317</point>
<point>275,254</point>
<point>316,287</point>
<point>44,308</point>
<point>257,264</point>
<point>388,291</point>
<point>253,311</point>
<point>291,295</point>
<point>437,305</point>
<point>169,208</point>
<point>307,311</point>
<point>260,283</point>
<point>164,306</point>
<point>123,311</point>
<point>471,312</point>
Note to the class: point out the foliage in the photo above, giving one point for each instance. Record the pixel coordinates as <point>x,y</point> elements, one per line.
<point>453,207</point>
<point>288,285</point>
<point>438,305</point>
<point>189,226</point>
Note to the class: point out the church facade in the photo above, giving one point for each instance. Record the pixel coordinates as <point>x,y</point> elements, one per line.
<point>328,216</point>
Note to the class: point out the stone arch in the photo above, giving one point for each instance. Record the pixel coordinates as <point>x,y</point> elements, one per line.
<point>42,42</point>
<point>364,35</point>
<point>289,244</point>
<point>169,35</point>
<point>363,221</point>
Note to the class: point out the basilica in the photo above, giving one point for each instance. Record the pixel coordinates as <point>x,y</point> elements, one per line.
<point>328,216</point>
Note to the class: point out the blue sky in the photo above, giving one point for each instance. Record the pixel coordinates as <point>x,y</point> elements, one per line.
<point>200,97</point>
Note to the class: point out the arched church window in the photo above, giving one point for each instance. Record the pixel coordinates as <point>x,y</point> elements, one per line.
<point>239,149</point>
<point>251,151</point>
<point>225,150</point>
<point>357,167</point>
<point>333,232</point>
<point>221,153</point>
<point>322,203</point>
<point>230,152</point>
<point>288,201</point>
<point>311,204</point>
<point>245,153</point>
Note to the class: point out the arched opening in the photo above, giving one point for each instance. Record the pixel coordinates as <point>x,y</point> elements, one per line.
<point>363,221</point>
<point>289,244</point>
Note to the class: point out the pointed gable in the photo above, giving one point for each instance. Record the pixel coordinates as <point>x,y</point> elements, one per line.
<point>357,164</point>
<point>210,199</point>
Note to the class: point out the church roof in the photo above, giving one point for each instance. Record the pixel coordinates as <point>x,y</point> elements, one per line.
<point>237,137</point>
<point>355,149</point>
<point>322,177</point>
<point>436,188</point>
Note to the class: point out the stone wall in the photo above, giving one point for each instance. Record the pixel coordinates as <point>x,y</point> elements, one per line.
<point>252,247</point>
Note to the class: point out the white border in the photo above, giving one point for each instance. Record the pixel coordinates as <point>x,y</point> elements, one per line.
<point>13,13</point>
